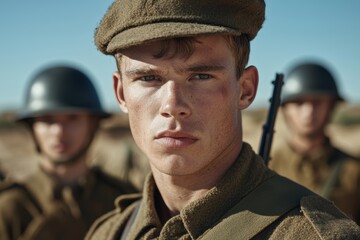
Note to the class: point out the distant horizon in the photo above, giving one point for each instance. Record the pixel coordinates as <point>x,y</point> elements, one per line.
<point>116,109</point>
<point>37,33</point>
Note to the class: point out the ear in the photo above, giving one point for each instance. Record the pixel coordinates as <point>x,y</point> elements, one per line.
<point>119,91</point>
<point>248,86</point>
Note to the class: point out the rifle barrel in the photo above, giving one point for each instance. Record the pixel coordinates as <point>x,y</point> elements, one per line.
<point>268,127</point>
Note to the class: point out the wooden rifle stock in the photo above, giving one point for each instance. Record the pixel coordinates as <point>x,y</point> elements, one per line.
<point>268,127</point>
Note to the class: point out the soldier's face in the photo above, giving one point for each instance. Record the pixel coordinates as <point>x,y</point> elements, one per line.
<point>185,113</point>
<point>62,136</point>
<point>308,116</point>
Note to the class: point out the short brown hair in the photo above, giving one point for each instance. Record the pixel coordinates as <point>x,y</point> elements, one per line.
<point>240,46</point>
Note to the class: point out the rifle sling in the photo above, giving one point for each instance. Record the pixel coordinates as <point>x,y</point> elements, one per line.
<point>131,221</point>
<point>262,207</point>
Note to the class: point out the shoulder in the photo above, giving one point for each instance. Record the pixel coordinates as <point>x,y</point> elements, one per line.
<point>328,220</point>
<point>11,190</point>
<point>350,164</point>
<point>107,226</point>
<point>16,198</point>
<point>338,154</point>
<point>316,218</point>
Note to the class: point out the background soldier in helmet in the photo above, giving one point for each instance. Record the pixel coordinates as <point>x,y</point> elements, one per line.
<point>309,97</point>
<point>64,197</point>
<point>182,78</point>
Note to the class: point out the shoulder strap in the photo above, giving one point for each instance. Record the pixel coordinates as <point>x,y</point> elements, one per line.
<point>263,206</point>
<point>131,221</point>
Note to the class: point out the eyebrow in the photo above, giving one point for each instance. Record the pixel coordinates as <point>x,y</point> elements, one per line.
<point>141,71</point>
<point>205,68</point>
<point>195,68</point>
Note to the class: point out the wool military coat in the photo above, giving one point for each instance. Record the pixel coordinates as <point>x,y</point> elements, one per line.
<point>39,208</point>
<point>250,202</point>
<point>326,170</point>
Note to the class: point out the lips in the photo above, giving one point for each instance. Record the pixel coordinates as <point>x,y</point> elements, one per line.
<point>171,139</point>
<point>60,147</point>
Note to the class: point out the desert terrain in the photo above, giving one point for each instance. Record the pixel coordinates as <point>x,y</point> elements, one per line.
<point>114,149</point>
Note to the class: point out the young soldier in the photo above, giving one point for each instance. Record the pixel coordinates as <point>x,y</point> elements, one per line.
<point>182,79</point>
<point>64,197</point>
<point>309,98</point>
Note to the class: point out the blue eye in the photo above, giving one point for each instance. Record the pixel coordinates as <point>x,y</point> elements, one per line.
<point>149,78</point>
<point>202,76</point>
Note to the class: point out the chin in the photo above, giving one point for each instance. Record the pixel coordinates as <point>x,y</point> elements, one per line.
<point>59,159</point>
<point>174,166</point>
<point>310,134</point>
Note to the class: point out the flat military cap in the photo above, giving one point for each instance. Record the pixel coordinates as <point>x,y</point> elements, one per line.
<point>129,23</point>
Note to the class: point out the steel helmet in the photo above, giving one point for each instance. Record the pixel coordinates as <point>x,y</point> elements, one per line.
<point>309,79</point>
<point>61,89</point>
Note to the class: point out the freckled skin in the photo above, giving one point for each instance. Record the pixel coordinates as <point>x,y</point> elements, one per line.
<point>200,96</point>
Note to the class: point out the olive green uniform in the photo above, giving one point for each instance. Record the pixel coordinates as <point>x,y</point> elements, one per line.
<point>327,171</point>
<point>40,209</point>
<point>231,210</point>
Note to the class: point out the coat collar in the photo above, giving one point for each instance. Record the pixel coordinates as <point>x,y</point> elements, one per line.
<point>241,178</point>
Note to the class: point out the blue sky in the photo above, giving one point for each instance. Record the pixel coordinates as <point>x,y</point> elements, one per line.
<point>40,32</point>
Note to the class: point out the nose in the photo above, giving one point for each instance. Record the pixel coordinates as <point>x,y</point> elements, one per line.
<point>308,108</point>
<point>174,102</point>
<point>57,129</point>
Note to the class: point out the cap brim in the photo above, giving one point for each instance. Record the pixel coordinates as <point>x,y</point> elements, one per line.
<point>158,31</point>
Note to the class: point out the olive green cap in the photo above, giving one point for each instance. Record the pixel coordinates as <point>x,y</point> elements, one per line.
<point>129,23</point>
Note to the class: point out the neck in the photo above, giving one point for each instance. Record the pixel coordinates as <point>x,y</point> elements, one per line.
<point>177,191</point>
<point>66,174</point>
